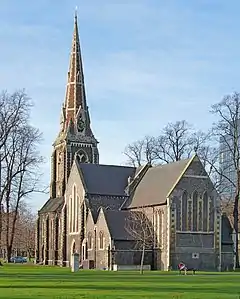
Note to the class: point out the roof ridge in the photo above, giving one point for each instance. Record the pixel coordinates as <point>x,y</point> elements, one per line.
<point>173,162</point>
<point>109,165</point>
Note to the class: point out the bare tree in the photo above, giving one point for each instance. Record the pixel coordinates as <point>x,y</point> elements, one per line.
<point>141,151</point>
<point>141,229</point>
<point>20,162</point>
<point>176,141</point>
<point>14,112</point>
<point>25,233</point>
<point>227,131</point>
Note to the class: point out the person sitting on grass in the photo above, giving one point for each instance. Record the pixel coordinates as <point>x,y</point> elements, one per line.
<point>183,267</point>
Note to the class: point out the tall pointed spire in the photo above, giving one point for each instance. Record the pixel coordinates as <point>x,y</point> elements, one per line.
<point>75,138</point>
<point>75,92</point>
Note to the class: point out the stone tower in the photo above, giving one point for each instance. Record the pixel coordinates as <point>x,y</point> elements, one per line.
<point>75,136</point>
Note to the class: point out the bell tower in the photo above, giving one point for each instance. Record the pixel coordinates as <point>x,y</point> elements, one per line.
<point>75,136</point>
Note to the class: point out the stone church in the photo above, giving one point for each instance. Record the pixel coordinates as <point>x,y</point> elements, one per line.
<point>91,204</point>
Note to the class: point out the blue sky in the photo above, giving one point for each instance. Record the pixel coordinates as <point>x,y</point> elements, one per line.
<point>146,63</point>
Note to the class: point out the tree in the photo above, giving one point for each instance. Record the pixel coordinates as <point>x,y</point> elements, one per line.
<point>141,151</point>
<point>176,141</point>
<point>227,131</point>
<point>25,232</point>
<point>141,229</point>
<point>20,160</point>
<point>14,111</point>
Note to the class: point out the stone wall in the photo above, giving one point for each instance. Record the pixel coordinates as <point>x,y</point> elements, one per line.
<point>75,238</point>
<point>158,216</point>
<point>48,238</point>
<point>195,221</point>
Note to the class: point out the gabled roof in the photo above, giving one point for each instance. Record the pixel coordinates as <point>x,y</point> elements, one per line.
<point>52,205</point>
<point>157,184</point>
<point>105,179</point>
<point>116,222</point>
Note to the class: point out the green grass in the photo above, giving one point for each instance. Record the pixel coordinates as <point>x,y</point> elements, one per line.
<point>21,281</point>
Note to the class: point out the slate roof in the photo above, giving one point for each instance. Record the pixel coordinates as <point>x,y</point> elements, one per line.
<point>156,184</point>
<point>106,179</point>
<point>52,205</point>
<point>117,223</point>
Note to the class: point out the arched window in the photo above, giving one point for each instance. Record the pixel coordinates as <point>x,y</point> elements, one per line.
<point>101,240</point>
<point>43,231</point>
<point>178,214</point>
<point>205,212</point>
<point>211,214</point>
<point>74,208</point>
<point>160,228</point>
<point>52,231</point>
<point>189,216</point>
<point>77,211</point>
<point>89,240</point>
<point>195,210</point>
<point>200,215</point>
<point>184,211</point>
<point>70,214</point>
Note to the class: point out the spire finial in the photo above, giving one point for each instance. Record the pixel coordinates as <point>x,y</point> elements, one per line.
<point>75,14</point>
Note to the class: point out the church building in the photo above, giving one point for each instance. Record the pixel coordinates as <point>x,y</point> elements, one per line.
<point>92,206</point>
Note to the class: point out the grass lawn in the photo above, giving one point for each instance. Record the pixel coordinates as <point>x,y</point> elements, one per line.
<point>21,281</point>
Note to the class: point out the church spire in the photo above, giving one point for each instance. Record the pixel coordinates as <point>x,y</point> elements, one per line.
<point>75,138</point>
<point>75,92</point>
